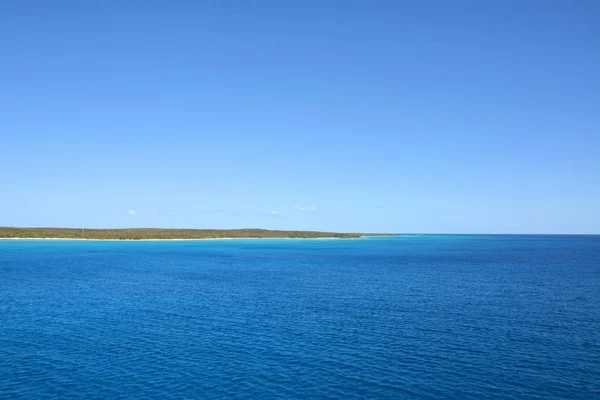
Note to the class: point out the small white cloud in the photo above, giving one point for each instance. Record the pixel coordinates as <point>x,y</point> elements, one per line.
<point>305,208</point>
<point>272,214</point>
<point>170,213</point>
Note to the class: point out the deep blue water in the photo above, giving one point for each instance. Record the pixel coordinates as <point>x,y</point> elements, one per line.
<point>424,317</point>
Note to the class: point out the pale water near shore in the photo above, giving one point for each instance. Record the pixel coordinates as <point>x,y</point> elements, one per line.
<point>178,240</point>
<point>424,317</point>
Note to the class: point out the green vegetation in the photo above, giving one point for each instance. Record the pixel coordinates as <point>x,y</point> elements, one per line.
<point>151,233</point>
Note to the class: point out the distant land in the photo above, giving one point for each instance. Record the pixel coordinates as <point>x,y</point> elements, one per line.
<point>166,234</point>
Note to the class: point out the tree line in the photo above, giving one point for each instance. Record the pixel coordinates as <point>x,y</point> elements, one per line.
<point>156,233</point>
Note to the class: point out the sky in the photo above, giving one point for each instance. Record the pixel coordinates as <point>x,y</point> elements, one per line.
<point>358,116</point>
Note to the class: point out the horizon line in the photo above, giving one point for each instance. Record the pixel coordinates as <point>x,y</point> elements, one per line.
<point>314,230</point>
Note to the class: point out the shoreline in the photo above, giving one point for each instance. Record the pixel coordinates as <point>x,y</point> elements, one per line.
<point>198,239</point>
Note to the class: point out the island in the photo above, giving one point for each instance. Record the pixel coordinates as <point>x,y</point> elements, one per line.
<point>168,234</point>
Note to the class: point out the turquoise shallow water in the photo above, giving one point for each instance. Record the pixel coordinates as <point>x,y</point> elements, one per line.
<point>422,317</point>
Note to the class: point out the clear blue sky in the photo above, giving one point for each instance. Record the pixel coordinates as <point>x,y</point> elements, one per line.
<point>391,116</point>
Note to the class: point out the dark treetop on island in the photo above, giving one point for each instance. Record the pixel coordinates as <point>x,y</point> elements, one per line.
<point>153,233</point>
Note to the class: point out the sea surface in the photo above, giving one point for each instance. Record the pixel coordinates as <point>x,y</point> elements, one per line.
<point>409,317</point>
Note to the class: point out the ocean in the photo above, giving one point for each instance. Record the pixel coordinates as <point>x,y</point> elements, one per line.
<point>408,317</point>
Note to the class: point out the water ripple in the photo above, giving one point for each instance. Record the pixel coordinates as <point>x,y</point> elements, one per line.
<point>401,318</point>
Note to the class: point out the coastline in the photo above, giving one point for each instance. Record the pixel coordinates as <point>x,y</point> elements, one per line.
<point>186,240</point>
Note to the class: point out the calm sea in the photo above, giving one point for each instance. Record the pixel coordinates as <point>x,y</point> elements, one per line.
<point>413,317</point>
